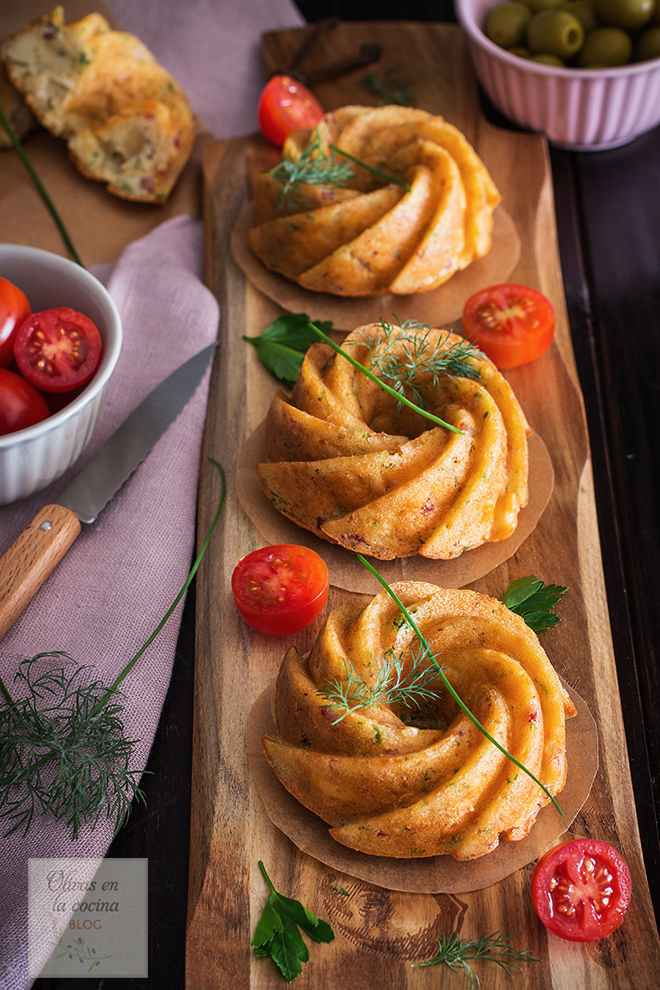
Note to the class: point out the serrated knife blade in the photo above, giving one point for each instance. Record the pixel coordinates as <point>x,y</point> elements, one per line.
<point>31,558</point>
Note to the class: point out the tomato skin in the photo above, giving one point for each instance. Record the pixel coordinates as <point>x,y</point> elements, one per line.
<point>285,106</point>
<point>570,884</point>
<point>280,589</point>
<point>58,350</point>
<point>20,403</point>
<point>14,308</point>
<point>512,324</point>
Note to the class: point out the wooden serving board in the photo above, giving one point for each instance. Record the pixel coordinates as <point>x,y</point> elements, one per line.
<point>380,932</point>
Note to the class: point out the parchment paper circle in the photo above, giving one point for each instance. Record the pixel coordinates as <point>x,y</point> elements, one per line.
<point>435,308</point>
<point>435,874</point>
<point>345,569</point>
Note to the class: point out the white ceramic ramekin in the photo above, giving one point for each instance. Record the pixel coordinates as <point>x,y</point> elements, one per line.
<point>30,459</point>
<point>580,109</point>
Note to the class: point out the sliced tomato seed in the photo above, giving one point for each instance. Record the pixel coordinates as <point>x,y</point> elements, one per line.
<point>499,319</point>
<point>568,898</point>
<point>581,890</point>
<point>42,352</point>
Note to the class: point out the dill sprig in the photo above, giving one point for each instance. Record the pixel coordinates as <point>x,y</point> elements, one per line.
<point>402,399</point>
<point>402,354</point>
<point>392,686</point>
<point>390,89</point>
<point>455,952</point>
<point>63,747</point>
<point>60,754</point>
<point>315,166</point>
<point>312,167</point>
<point>443,677</point>
<point>40,187</point>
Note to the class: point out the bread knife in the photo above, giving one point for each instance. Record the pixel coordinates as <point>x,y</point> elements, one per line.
<point>39,548</point>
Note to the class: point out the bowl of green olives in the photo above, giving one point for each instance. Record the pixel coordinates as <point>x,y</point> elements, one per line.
<point>586,73</point>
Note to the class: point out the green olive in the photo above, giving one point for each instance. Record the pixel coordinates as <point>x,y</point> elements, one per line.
<point>585,12</point>
<point>546,58</point>
<point>520,51</point>
<point>605,46</point>
<point>628,14</point>
<point>647,44</point>
<point>506,24</point>
<point>537,5</point>
<point>555,32</point>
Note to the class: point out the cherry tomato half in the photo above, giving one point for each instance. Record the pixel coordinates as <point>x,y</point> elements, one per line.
<point>511,324</point>
<point>285,106</point>
<point>14,308</point>
<point>58,350</point>
<point>280,589</point>
<point>581,890</point>
<point>20,403</point>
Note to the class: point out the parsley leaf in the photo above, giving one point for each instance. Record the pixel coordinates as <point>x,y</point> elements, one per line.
<point>277,935</point>
<point>282,345</point>
<point>534,601</point>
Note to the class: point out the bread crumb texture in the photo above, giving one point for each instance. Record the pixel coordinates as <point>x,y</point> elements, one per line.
<point>126,120</point>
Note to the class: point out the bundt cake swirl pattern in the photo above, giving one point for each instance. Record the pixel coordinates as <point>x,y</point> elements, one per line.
<point>375,236</point>
<point>391,788</point>
<point>344,461</point>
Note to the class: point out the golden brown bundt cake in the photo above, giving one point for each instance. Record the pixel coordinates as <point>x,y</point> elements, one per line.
<point>419,778</point>
<point>370,235</point>
<point>345,462</point>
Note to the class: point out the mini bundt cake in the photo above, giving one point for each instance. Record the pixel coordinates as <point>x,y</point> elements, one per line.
<point>369,235</point>
<point>344,460</point>
<point>126,121</point>
<point>389,787</point>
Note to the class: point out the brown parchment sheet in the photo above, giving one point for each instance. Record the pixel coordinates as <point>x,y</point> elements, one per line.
<point>344,567</point>
<point>436,874</point>
<point>435,308</point>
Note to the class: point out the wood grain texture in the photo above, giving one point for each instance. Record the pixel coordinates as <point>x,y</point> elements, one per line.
<point>379,933</point>
<point>32,557</point>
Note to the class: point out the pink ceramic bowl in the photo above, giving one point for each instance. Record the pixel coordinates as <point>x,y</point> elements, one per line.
<point>580,109</point>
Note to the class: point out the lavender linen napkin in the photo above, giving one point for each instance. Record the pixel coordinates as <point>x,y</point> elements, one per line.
<point>213,48</point>
<point>123,571</point>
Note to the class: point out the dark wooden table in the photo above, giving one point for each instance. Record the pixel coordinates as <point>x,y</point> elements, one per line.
<point>608,219</point>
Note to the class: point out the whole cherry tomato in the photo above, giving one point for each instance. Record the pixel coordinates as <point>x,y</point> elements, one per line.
<point>581,890</point>
<point>14,308</point>
<point>511,324</point>
<point>20,403</point>
<point>285,105</point>
<point>279,590</point>
<point>58,350</point>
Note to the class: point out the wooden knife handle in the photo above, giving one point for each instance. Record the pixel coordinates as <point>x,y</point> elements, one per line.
<point>31,558</point>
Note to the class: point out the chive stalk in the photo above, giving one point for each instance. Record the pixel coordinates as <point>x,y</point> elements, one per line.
<point>397,395</point>
<point>40,187</point>
<point>445,681</point>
